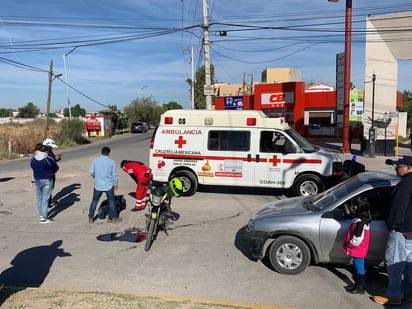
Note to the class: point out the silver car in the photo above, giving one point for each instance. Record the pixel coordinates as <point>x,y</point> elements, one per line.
<point>296,231</point>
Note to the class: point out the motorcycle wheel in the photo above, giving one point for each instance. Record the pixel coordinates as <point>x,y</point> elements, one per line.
<point>151,231</point>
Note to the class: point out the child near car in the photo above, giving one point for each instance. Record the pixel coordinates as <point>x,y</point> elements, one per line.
<point>356,242</point>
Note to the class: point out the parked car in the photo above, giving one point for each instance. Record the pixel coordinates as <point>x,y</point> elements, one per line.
<point>296,231</point>
<point>139,127</point>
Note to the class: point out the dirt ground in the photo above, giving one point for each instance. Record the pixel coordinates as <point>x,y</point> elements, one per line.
<point>37,298</point>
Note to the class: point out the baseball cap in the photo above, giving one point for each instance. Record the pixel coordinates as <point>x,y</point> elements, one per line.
<point>403,160</point>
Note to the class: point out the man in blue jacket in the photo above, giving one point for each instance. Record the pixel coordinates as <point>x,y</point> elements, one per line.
<point>44,168</point>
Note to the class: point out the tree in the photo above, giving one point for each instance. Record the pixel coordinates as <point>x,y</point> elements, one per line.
<point>200,100</point>
<point>6,112</point>
<point>119,119</point>
<point>28,111</point>
<point>172,105</point>
<point>77,111</point>
<point>143,109</point>
<point>407,101</point>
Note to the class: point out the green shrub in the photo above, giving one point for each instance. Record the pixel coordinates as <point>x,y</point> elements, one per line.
<point>71,132</point>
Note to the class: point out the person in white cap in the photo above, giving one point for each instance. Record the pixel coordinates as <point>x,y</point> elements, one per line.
<point>50,144</point>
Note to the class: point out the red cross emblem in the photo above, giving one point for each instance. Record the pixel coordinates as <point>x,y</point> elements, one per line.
<point>180,142</point>
<point>275,160</point>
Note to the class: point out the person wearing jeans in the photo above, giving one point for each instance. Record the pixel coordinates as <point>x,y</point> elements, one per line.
<point>44,169</point>
<point>398,254</point>
<point>103,170</point>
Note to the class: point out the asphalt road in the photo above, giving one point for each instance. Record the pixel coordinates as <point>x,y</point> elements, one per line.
<point>204,256</point>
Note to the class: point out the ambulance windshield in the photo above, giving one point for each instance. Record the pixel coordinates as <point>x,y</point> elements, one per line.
<point>303,143</point>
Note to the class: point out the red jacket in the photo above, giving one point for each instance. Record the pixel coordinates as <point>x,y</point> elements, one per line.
<point>357,239</point>
<point>139,172</point>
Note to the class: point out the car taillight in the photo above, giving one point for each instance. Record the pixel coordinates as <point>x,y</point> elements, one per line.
<point>151,143</point>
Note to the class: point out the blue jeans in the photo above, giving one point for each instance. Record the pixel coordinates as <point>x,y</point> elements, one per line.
<point>359,264</point>
<point>44,188</point>
<point>112,203</point>
<point>398,257</point>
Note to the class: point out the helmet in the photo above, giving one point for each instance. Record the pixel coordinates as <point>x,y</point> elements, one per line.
<point>49,142</point>
<point>176,186</point>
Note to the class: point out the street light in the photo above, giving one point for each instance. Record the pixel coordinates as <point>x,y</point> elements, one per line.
<point>346,86</point>
<point>67,82</point>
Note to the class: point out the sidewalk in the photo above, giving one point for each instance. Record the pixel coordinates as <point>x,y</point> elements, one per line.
<point>371,164</point>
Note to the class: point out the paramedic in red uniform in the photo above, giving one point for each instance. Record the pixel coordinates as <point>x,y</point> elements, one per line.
<point>142,175</point>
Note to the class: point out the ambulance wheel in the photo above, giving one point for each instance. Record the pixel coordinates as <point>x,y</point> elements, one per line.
<point>189,182</point>
<point>306,185</point>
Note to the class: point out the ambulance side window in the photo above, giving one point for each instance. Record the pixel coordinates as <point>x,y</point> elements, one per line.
<point>229,140</point>
<point>272,142</point>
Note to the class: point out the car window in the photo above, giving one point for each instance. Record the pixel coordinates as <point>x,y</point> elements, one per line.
<point>229,140</point>
<point>338,192</point>
<point>274,142</point>
<point>377,198</point>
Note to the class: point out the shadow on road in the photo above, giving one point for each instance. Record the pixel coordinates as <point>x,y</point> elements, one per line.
<point>29,268</point>
<point>244,190</point>
<point>4,179</point>
<point>65,198</point>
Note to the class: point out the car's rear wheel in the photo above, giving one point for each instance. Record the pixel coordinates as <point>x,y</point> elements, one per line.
<point>308,185</point>
<point>189,181</point>
<point>289,255</point>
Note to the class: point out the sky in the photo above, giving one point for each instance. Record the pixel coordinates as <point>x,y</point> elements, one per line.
<point>120,51</point>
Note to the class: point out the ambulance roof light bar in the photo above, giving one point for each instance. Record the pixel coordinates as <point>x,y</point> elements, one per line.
<point>168,120</point>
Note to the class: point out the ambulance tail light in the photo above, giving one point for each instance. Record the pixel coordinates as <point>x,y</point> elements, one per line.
<point>152,140</point>
<point>168,120</point>
<point>251,121</point>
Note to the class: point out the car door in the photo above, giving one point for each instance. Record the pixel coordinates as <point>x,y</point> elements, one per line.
<point>335,224</point>
<point>272,168</point>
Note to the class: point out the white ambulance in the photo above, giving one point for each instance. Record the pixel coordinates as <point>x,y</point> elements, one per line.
<point>238,148</point>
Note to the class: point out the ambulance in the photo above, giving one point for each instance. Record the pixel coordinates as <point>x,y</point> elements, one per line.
<point>242,148</point>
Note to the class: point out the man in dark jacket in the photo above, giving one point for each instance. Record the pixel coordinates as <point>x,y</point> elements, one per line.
<point>44,168</point>
<point>398,255</point>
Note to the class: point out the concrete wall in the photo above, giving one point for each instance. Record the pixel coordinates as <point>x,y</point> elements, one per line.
<point>386,43</point>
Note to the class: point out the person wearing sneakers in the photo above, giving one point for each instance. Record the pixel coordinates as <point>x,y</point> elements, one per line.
<point>44,168</point>
<point>103,170</point>
<point>50,144</point>
<point>142,175</point>
<point>398,255</point>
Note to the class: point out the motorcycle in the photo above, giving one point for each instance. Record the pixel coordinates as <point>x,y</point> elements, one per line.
<point>158,205</point>
<point>352,168</point>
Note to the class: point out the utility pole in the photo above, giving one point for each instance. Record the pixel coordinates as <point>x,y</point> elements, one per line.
<point>192,61</point>
<point>46,127</point>
<point>372,130</point>
<point>209,89</point>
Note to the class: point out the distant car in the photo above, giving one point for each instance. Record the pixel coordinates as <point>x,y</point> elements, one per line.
<point>296,231</point>
<point>139,127</point>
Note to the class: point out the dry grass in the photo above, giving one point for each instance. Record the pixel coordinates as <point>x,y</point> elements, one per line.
<point>18,140</point>
<point>35,298</point>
